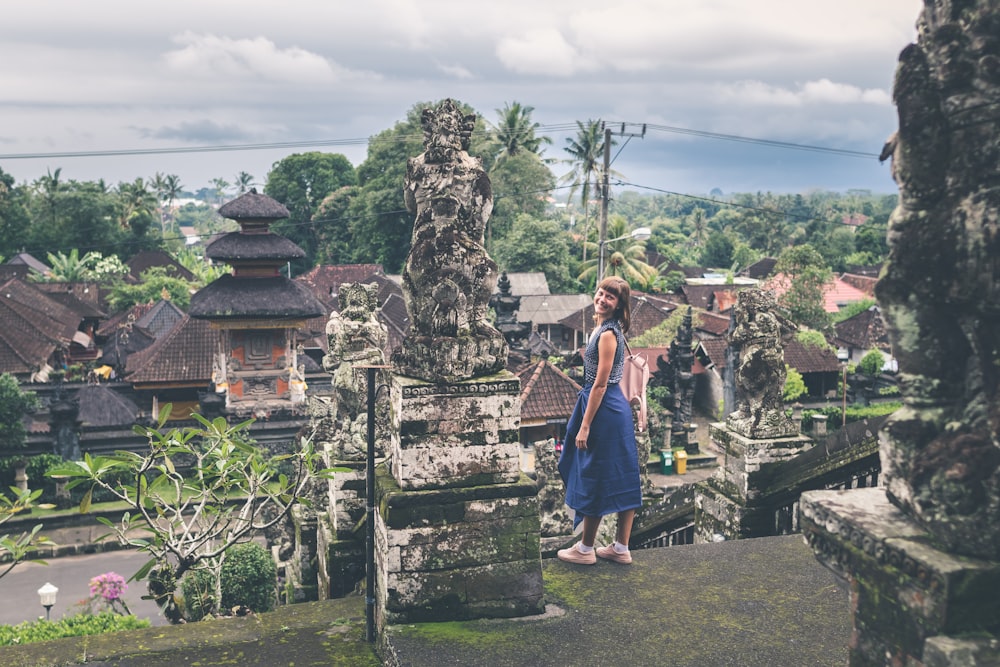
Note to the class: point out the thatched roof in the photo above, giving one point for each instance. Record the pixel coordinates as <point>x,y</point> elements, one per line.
<point>101,406</point>
<point>238,246</point>
<point>253,206</point>
<point>273,297</point>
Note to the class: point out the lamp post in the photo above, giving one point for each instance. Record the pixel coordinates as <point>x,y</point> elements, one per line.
<point>47,594</point>
<point>638,234</point>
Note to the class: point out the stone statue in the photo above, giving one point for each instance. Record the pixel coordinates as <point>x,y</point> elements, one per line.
<point>355,338</point>
<point>682,395</point>
<point>448,277</point>
<point>940,292</point>
<point>505,305</point>
<point>760,374</point>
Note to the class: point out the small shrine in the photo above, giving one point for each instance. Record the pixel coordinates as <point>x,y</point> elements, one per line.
<point>256,311</point>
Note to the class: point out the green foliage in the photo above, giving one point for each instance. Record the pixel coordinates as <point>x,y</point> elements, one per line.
<point>537,245</point>
<point>662,334</point>
<point>301,182</point>
<point>795,386</point>
<point>811,338</point>
<point>187,520</point>
<point>807,276</point>
<point>72,626</point>
<point>872,362</point>
<point>249,578</point>
<point>718,251</point>
<point>520,184</point>
<point>14,548</point>
<point>154,283</point>
<point>14,404</point>
<point>854,413</point>
<point>852,309</point>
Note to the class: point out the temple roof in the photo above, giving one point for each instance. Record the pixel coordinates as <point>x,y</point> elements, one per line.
<point>239,246</point>
<point>546,392</point>
<point>184,356</point>
<point>274,297</point>
<point>253,206</point>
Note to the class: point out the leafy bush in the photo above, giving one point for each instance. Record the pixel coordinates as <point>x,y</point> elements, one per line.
<point>249,578</point>
<point>795,386</point>
<point>73,626</point>
<point>854,413</point>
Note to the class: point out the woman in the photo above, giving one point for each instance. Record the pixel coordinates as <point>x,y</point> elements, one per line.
<point>601,472</point>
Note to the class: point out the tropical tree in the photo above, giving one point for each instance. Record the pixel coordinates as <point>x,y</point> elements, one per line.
<point>159,185</point>
<point>71,268</point>
<point>186,520</point>
<point>172,189</point>
<point>220,186</point>
<point>136,204</point>
<point>49,187</point>
<point>154,283</point>
<point>537,245</point>
<point>586,152</point>
<point>203,270</point>
<point>301,182</point>
<point>14,218</point>
<point>15,548</point>
<point>698,227</point>
<point>521,182</point>
<point>624,257</point>
<point>515,131</point>
<point>14,405</point>
<point>807,278</point>
<point>244,182</point>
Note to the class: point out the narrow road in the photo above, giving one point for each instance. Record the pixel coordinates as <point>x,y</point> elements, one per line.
<point>71,574</point>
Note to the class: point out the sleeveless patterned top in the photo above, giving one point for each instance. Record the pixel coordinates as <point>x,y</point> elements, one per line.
<point>590,354</point>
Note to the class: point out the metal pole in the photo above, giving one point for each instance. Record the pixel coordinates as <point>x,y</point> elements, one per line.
<point>604,205</point>
<point>370,513</point>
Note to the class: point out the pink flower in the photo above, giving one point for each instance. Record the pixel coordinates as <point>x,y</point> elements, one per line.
<point>110,586</point>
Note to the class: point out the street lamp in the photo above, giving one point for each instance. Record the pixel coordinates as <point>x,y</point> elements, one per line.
<point>638,234</point>
<point>47,593</point>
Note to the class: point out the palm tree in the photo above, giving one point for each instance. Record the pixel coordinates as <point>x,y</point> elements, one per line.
<point>699,226</point>
<point>586,153</point>
<point>625,258</point>
<point>159,185</point>
<point>136,200</point>
<point>71,268</point>
<point>49,187</point>
<point>172,189</point>
<point>243,182</point>
<point>221,185</point>
<point>515,131</point>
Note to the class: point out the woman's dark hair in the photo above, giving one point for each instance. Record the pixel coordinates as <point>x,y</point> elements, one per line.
<point>618,287</point>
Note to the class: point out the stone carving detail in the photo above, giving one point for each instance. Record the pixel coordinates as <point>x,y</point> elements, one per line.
<point>506,305</point>
<point>448,277</point>
<point>941,290</point>
<point>682,385</point>
<point>760,373</point>
<point>356,337</point>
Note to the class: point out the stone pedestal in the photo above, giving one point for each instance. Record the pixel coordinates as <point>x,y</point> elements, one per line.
<point>914,604</point>
<point>457,528</point>
<point>733,504</point>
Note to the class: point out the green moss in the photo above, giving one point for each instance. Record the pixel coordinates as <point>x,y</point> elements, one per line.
<point>469,633</point>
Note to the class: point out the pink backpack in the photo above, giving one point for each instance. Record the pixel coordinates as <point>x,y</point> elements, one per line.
<point>635,377</point>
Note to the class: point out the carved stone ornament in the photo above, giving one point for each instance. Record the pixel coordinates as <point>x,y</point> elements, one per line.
<point>760,373</point>
<point>448,277</point>
<point>940,292</point>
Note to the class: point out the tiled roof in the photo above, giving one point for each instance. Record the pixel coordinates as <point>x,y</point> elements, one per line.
<point>253,206</point>
<point>148,259</point>
<point>160,318</point>
<point>550,308</point>
<point>647,312</point>
<point>32,327</point>
<point>546,392</point>
<point>864,283</point>
<point>397,320</point>
<point>865,331</point>
<point>524,283</point>
<point>101,406</point>
<point>760,269</point>
<point>110,325</point>
<point>325,280</point>
<point>81,298</point>
<point>25,259</point>
<point>711,323</point>
<point>803,358</point>
<point>274,297</point>
<point>703,296</point>
<point>836,293</point>
<point>810,358</point>
<point>184,355</point>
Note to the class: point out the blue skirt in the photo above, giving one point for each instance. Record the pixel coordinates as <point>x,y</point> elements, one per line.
<point>604,478</point>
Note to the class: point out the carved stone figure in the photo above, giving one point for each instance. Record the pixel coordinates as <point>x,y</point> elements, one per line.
<point>760,374</point>
<point>682,396</point>
<point>355,338</point>
<point>940,293</point>
<point>448,277</point>
<point>506,305</point>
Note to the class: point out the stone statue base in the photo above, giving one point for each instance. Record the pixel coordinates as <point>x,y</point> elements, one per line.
<point>914,604</point>
<point>737,503</point>
<point>450,359</point>
<point>772,424</point>
<point>457,530</point>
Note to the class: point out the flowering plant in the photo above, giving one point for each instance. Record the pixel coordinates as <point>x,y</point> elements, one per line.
<point>107,590</point>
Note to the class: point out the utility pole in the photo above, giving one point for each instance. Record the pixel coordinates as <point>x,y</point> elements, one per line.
<point>605,191</point>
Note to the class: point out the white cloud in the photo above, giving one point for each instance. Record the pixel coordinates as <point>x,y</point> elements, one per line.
<point>821,92</point>
<point>206,56</point>
<point>541,52</point>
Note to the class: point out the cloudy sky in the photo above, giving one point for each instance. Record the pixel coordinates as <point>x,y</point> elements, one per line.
<point>117,75</point>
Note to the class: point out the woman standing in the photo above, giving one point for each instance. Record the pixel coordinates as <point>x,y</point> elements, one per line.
<point>599,463</point>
